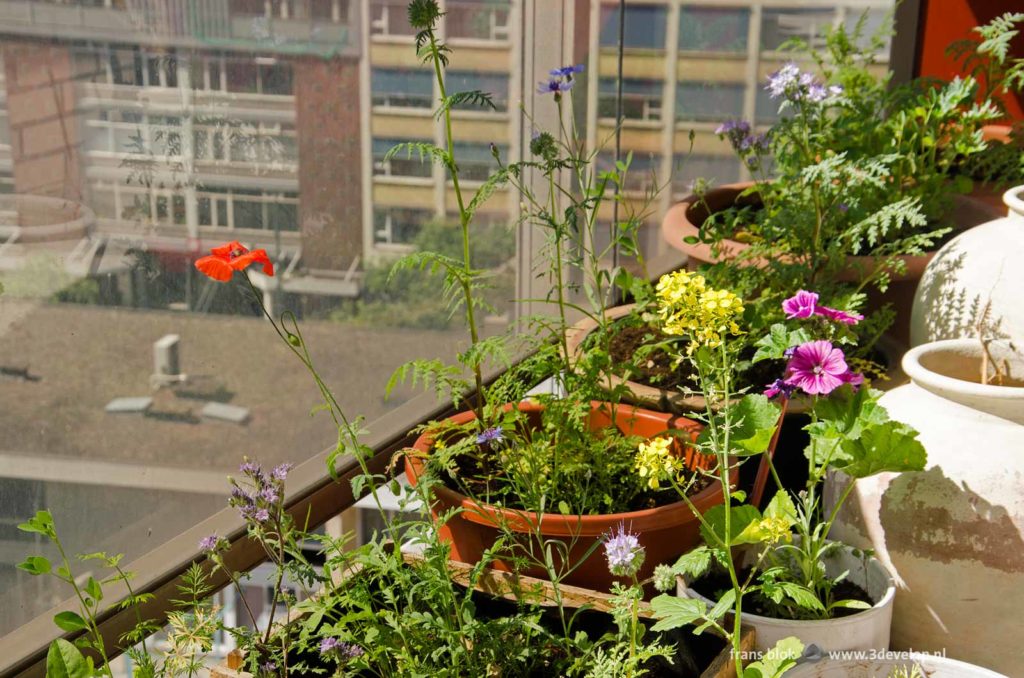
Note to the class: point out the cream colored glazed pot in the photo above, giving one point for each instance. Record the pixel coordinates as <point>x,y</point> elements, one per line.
<point>976,278</point>
<point>952,534</point>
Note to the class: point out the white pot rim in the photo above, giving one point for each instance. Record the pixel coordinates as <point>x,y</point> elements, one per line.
<point>927,661</point>
<point>933,381</point>
<point>1012,199</point>
<point>851,619</point>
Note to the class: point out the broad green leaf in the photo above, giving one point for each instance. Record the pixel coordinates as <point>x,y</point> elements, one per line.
<point>781,506</point>
<point>673,612</point>
<point>777,660</point>
<point>35,565</point>
<point>893,446</point>
<point>69,621</point>
<point>852,604</point>
<point>693,564</point>
<point>801,595</point>
<point>772,345</point>
<point>754,418</point>
<point>724,604</point>
<point>41,523</point>
<point>92,587</point>
<point>744,525</point>
<point>64,660</point>
<point>849,410</point>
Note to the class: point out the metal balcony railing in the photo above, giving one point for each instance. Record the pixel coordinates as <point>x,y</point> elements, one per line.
<point>194,24</point>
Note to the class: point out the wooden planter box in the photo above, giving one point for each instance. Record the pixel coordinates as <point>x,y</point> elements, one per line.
<point>511,587</point>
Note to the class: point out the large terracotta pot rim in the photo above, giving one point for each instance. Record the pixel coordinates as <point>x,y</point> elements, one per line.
<point>947,352</point>
<point>556,524</point>
<point>653,395</point>
<point>676,226</point>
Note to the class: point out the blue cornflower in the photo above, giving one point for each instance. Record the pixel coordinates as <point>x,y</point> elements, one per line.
<point>490,436</point>
<point>566,71</point>
<point>554,86</point>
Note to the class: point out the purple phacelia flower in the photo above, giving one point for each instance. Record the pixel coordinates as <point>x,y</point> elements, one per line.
<point>339,648</point>
<point>280,472</point>
<point>623,551</point>
<point>262,515</point>
<point>209,544</point>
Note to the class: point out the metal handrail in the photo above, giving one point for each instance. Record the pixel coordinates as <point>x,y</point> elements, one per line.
<point>313,497</point>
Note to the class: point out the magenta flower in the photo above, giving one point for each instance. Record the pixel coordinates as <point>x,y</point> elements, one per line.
<point>777,388</point>
<point>803,304</point>
<point>835,315</point>
<point>818,368</point>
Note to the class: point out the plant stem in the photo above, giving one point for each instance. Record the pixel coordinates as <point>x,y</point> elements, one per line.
<point>464,219</point>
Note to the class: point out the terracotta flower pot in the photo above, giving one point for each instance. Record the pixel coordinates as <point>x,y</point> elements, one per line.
<point>665,532</point>
<point>684,219</point>
<point>991,193</point>
<point>677,402</point>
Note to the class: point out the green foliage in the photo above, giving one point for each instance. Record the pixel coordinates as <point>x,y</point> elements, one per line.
<point>777,660</point>
<point>406,295</point>
<point>64,660</point>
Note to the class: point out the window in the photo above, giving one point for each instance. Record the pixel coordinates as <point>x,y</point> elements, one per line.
<point>644,171</point>
<point>390,17</point>
<point>780,25</point>
<point>644,28</point>
<point>718,169</point>
<point>398,225</point>
<point>260,75</point>
<point>476,161</point>
<point>713,29</point>
<point>477,20</point>
<point>641,99</point>
<point>708,101</point>
<point>402,164</point>
<point>495,84</point>
<point>400,88</point>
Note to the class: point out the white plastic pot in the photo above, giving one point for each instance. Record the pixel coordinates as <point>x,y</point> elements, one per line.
<point>931,666</point>
<point>865,630</point>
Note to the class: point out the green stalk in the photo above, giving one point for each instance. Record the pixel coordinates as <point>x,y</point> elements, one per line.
<point>464,223</point>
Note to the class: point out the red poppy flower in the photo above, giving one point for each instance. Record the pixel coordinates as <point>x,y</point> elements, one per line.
<point>234,256</point>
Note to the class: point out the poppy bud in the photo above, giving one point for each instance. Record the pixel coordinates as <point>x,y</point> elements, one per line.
<point>294,340</point>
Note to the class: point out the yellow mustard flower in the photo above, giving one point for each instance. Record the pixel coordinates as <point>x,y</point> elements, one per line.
<point>655,461</point>
<point>688,307</point>
<point>776,528</point>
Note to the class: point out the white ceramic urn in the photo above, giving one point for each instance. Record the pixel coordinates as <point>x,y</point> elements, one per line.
<point>953,534</point>
<point>977,277</point>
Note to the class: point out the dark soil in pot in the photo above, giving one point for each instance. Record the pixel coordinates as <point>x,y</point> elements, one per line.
<point>657,369</point>
<point>716,582</point>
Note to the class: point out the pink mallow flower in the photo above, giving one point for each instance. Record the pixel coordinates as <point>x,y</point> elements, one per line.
<point>835,315</point>
<point>801,305</point>
<point>818,368</point>
<point>804,304</point>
